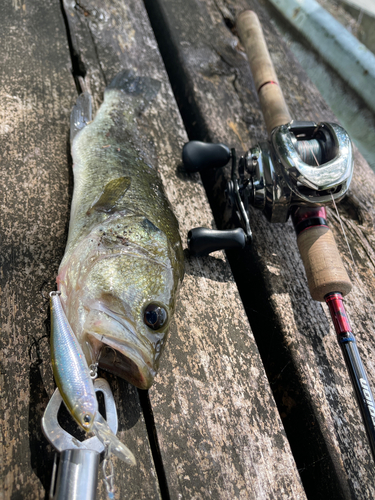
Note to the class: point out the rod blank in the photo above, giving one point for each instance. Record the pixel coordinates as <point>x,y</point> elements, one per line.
<point>274,108</point>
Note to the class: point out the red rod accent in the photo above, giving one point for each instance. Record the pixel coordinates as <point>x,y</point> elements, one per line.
<point>266,83</point>
<point>303,213</point>
<point>338,313</point>
<point>305,218</point>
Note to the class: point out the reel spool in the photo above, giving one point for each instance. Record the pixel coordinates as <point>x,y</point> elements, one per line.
<point>304,164</point>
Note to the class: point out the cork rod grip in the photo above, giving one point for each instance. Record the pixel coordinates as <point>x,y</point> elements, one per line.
<point>271,98</point>
<point>323,265</point>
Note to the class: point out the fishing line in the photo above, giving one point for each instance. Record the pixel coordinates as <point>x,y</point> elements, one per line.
<point>354,267</point>
<point>94,366</point>
<point>312,146</point>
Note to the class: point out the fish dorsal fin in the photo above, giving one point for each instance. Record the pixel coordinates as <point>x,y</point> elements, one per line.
<point>81,114</point>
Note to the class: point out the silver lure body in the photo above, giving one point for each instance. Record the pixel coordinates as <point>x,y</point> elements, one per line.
<point>70,368</point>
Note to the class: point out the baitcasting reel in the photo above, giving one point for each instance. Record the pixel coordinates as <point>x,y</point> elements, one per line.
<point>304,164</point>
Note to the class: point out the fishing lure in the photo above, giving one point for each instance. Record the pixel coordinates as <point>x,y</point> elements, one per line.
<point>75,382</point>
<point>70,368</point>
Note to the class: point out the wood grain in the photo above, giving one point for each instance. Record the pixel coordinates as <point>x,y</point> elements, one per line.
<point>211,79</point>
<point>36,93</point>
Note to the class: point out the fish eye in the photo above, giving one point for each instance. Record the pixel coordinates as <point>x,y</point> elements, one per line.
<point>87,419</point>
<point>155,316</point>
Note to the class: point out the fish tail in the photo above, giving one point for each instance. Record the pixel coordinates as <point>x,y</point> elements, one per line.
<point>81,114</point>
<point>141,87</point>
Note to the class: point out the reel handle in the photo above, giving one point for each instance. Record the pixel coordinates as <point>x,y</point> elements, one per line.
<point>198,156</point>
<point>202,241</point>
<point>274,108</point>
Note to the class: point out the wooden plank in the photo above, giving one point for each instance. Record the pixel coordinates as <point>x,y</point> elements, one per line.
<point>36,94</point>
<point>213,87</point>
<point>217,426</point>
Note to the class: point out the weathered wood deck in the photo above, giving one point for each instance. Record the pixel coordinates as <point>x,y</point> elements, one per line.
<point>237,411</point>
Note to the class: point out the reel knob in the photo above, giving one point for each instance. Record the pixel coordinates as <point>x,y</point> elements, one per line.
<point>202,241</point>
<point>198,156</point>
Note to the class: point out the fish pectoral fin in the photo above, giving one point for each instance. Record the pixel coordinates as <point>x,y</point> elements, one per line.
<point>112,193</point>
<point>103,432</point>
<point>81,114</point>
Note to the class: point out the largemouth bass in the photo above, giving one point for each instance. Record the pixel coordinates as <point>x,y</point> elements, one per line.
<point>123,261</point>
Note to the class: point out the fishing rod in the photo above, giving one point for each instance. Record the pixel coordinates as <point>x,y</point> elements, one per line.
<point>304,167</point>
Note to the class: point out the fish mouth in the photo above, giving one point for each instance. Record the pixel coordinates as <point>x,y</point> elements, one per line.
<point>121,352</point>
